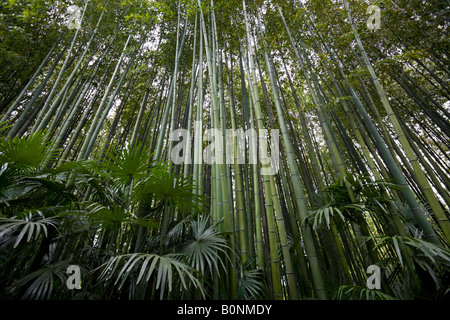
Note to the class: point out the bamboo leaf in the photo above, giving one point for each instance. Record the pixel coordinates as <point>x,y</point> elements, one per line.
<point>397,249</point>
<point>21,234</point>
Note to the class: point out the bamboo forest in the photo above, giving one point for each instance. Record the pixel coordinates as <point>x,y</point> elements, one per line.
<point>224,150</point>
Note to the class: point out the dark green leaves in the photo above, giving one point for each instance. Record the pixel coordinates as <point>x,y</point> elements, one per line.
<point>127,164</point>
<point>30,227</point>
<point>166,270</point>
<point>26,153</point>
<point>324,214</point>
<point>205,249</point>
<point>360,293</point>
<point>163,185</point>
<point>41,283</point>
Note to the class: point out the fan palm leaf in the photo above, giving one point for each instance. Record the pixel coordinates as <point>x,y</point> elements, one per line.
<point>146,265</point>
<point>324,214</point>
<point>26,153</point>
<point>125,165</point>
<point>31,225</point>
<point>251,284</point>
<point>164,187</point>
<point>205,248</point>
<point>42,281</point>
<point>360,293</point>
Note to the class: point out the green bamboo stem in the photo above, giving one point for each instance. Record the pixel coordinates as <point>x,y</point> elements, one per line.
<point>298,189</point>
<point>31,81</point>
<point>51,109</point>
<point>421,179</point>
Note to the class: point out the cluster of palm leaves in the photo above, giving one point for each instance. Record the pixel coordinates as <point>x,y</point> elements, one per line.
<point>135,228</point>
<point>412,266</point>
<point>139,231</point>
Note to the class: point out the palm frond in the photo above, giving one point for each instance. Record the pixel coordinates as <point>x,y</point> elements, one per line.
<point>130,163</point>
<point>360,293</point>
<point>115,214</point>
<point>26,153</point>
<point>179,229</point>
<point>251,284</point>
<point>32,225</point>
<point>163,185</point>
<point>325,213</point>
<point>206,246</point>
<point>144,265</point>
<point>42,281</point>
<point>424,249</point>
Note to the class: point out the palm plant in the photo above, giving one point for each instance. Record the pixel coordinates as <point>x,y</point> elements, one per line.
<point>102,225</point>
<point>420,263</point>
<point>368,195</point>
<point>360,293</point>
<point>401,255</point>
<point>251,284</point>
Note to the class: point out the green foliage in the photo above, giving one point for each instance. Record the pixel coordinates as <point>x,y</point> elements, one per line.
<point>26,154</point>
<point>412,252</point>
<point>251,284</point>
<point>322,214</point>
<point>26,33</point>
<point>126,165</point>
<point>30,225</point>
<point>113,216</point>
<point>164,186</point>
<point>206,247</point>
<point>102,233</point>
<point>41,283</point>
<point>425,250</point>
<point>369,199</point>
<point>146,265</point>
<point>350,292</point>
